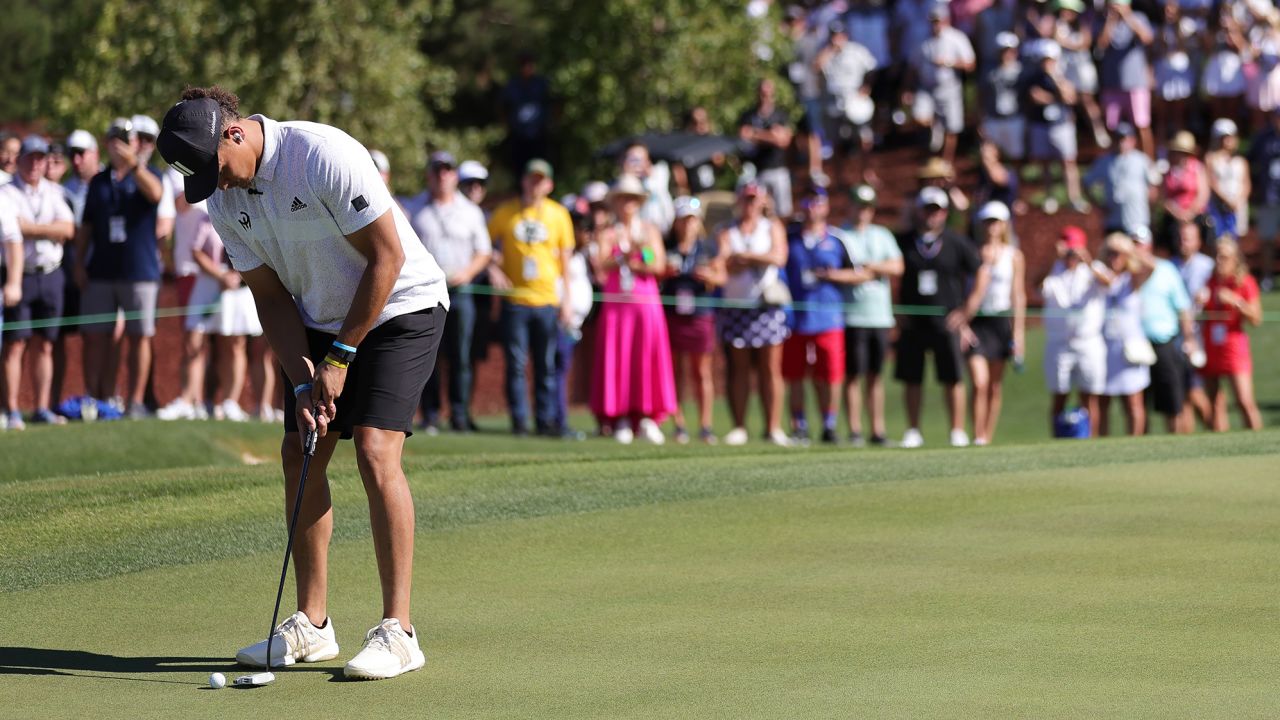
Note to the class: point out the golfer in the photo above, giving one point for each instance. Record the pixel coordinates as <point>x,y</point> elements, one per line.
<point>353,306</point>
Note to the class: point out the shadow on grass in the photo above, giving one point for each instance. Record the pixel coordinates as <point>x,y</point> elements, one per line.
<point>76,663</point>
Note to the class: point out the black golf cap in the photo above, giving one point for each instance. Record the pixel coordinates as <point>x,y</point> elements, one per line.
<point>189,140</point>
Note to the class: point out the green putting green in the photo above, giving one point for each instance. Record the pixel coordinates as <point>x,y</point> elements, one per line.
<point>1116,578</point>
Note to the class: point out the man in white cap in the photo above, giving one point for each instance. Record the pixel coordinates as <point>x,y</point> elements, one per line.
<point>45,224</point>
<point>353,306</point>
<point>942,286</point>
<point>85,163</point>
<point>472,179</point>
<point>166,211</point>
<point>1051,126</point>
<point>1002,119</point>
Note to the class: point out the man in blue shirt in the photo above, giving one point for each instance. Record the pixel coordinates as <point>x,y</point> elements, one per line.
<point>815,251</point>
<point>117,266</point>
<point>1167,320</point>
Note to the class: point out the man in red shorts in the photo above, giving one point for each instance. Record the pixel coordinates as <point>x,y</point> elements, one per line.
<point>816,256</point>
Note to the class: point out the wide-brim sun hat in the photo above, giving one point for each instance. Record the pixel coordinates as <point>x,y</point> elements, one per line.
<point>628,186</point>
<point>1183,142</point>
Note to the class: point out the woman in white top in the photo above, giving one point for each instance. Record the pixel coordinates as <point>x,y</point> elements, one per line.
<point>1129,353</point>
<point>999,329</point>
<point>1229,181</point>
<point>753,325</point>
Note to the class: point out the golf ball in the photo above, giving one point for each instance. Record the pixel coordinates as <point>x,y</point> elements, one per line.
<point>217,681</point>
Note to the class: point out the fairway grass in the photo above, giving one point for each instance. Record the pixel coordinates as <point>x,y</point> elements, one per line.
<point>1106,579</point>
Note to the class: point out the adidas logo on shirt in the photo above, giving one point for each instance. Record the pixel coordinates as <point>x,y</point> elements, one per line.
<point>297,205</point>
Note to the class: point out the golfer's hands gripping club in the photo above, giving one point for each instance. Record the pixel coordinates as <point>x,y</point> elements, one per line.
<point>313,418</point>
<point>326,387</point>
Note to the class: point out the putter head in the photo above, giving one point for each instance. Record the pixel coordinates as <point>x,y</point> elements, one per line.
<point>255,680</point>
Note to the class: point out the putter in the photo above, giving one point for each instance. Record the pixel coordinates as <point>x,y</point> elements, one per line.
<point>268,677</point>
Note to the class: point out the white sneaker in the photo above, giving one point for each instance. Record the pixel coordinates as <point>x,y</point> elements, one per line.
<point>179,409</point>
<point>779,438</point>
<point>388,651</point>
<point>912,439</point>
<point>959,438</point>
<point>736,436</point>
<point>651,432</point>
<point>230,410</point>
<point>623,433</point>
<point>295,640</point>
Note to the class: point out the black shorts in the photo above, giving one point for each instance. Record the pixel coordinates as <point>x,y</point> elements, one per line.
<point>386,380</point>
<point>865,350</point>
<point>995,337</point>
<point>1168,389</point>
<point>928,334</point>
<point>42,297</point>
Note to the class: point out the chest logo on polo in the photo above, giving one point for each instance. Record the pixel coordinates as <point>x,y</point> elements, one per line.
<point>245,222</point>
<point>297,205</point>
<point>531,231</point>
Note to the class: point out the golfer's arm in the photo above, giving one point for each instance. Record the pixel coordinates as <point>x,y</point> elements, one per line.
<point>379,243</point>
<point>280,323</point>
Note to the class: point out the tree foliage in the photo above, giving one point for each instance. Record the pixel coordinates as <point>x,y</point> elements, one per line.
<point>405,76</point>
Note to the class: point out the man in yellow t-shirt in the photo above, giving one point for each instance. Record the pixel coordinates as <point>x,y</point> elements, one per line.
<point>532,243</point>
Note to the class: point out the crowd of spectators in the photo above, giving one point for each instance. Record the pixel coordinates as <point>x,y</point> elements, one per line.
<point>787,294</point>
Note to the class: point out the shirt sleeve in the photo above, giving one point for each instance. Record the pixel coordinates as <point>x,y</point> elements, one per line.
<point>165,208</point>
<point>61,210</point>
<point>345,180</point>
<point>9,232</point>
<point>480,241</point>
<point>237,251</point>
<point>1177,291</point>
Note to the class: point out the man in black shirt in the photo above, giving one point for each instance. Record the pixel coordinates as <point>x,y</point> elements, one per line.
<point>768,130</point>
<point>942,288</point>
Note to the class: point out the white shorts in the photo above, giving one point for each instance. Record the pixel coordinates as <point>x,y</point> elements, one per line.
<point>946,110</point>
<point>1079,366</point>
<point>1008,134</point>
<point>222,312</point>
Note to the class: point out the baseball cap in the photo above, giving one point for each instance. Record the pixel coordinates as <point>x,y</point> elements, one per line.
<point>837,26</point>
<point>540,167</point>
<point>1048,50</point>
<point>749,187</point>
<point>1125,129</point>
<point>34,144</point>
<point>1141,235</point>
<point>380,161</point>
<point>188,141</point>
<point>939,12</point>
<point>445,158</point>
<point>1074,237</point>
<point>81,140</point>
<point>121,128</point>
<point>595,192</point>
<point>1073,5</point>
<point>994,210</point>
<point>1007,40</point>
<point>145,125</point>
<point>1223,127</point>
<point>472,170</point>
<point>933,196</point>
<point>688,207</point>
<point>864,195</point>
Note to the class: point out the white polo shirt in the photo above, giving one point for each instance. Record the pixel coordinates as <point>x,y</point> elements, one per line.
<point>42,204</point>
<point>454,233</point>
<point>315,185</point>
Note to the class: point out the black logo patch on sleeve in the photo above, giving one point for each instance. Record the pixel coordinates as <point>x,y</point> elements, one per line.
<point>359,203</point>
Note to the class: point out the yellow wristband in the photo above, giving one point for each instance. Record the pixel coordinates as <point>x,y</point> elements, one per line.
<point>335,362</point>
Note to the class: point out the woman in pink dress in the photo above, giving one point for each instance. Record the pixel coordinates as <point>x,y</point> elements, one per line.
<point>633,382</point>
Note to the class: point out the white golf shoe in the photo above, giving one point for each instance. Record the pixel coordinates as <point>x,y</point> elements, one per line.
<point>296,640</point>
<point>388,651</point>
<point>912,439</point>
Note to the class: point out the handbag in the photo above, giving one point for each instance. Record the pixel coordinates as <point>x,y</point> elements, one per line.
<point>775,293</point>
<point>1138,351</point>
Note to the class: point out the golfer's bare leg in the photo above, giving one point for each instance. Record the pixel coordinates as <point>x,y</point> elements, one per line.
<point>391,515</point>
<point>315,523</point>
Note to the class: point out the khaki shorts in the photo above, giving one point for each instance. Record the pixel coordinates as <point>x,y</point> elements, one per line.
<point>136,299</point>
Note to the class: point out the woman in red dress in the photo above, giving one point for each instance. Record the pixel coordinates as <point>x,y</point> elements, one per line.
<point>1233,300</point>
